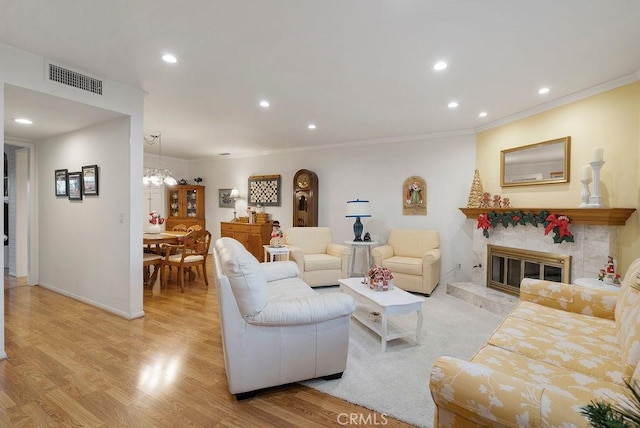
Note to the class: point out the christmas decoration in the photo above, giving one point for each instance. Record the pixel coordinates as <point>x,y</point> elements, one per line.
<point>552,223</point>
<point>475,195</point>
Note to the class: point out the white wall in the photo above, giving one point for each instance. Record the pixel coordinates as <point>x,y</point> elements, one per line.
<point>85,235</point>
<point>26,70</point>
<point>375,172</point>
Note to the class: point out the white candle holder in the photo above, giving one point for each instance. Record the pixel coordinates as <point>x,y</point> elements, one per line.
<point>584,196</point>
<point>595,201</point>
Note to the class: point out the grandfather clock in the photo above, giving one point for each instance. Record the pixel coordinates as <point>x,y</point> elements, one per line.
<point>305,199</point>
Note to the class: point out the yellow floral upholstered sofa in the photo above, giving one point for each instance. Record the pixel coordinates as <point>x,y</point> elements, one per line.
<point>562,347</point>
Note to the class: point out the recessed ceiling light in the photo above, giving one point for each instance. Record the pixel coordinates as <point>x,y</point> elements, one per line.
<point>264,103</point>
<point>311,126</point>
<point>441,65</point>
<point>169,58</point>
<point>543,91</point>
<point>482,114</point>
<point>23,120</point>
<point>452,104</point>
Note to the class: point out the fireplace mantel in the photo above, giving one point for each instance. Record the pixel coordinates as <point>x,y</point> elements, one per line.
<point>593,216</point>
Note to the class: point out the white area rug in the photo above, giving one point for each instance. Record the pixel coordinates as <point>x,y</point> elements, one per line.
<point>396,383</point>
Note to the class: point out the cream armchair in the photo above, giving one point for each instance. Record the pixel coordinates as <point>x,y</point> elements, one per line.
<point>321,262</point>
<point>413,255</point>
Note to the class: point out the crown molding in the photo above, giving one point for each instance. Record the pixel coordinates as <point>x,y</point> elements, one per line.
<point>568,99</point>
<point>389,140</point>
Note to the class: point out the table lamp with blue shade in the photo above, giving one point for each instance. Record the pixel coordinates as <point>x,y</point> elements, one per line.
<point>358,209</point>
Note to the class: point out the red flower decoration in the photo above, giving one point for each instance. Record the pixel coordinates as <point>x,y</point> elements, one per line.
<point>483,221</point>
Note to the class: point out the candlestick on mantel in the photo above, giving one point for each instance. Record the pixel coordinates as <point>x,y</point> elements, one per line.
<point>595,201</point>
<point>584,196</point>
<point>598,154</point>
<point>586,173</point>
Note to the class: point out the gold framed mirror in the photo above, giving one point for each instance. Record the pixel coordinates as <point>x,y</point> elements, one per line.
<point>541,163</point>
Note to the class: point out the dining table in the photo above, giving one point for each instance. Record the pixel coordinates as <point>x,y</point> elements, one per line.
<point>166,237</point>
<point>153,241</point>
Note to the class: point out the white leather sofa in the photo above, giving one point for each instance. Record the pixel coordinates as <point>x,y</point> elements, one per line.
<point>321,262</point>
<point>413,255</point>
<point>276,329</point>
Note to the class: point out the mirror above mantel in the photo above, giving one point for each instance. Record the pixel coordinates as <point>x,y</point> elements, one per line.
<point>540,163</point>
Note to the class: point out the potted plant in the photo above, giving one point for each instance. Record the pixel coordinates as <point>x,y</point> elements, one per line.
<point>606,415</point>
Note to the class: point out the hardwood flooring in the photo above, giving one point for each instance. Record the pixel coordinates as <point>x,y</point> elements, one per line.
<point>12,281</point>
<point>73,365</point>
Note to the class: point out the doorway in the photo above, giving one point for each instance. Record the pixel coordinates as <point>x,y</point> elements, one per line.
<point>16,213</point>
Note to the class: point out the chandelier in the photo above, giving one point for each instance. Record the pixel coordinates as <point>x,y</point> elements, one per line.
<point>157,176</point>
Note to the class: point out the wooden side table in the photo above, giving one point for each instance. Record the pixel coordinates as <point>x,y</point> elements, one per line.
<point>359,245</point>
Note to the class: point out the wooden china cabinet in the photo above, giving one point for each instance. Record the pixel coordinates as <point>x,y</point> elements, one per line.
<point>185,205</point>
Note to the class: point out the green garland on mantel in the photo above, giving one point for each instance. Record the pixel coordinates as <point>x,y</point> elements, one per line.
<point>552,223</point>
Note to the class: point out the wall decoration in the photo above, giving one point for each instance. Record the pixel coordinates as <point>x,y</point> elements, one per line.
<point>264,190</point>
<point>61,182</point>
<point>90,180</point>
<point>414,196</point>
<point>541,163</point>
<point>75,185</point>
<point>224,198</point>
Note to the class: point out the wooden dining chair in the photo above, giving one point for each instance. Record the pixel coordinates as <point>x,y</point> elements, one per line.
<point>179,228</point>
<point>191,253</point>
<point>194,227</point>
<point>149,260</point>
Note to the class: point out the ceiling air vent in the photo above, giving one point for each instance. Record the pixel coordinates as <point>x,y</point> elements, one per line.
<point>75,79</point>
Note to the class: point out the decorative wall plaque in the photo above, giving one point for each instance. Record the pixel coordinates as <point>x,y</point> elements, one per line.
<point>265,190</point>
<point>414,196</point>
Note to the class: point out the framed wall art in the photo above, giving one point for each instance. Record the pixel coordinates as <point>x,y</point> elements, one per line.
<point>61,182</point>
<point>265,190</point>
<point>90,180</point>
<point>414,196</point>
<point>75,185</point>
<point>224,198</point>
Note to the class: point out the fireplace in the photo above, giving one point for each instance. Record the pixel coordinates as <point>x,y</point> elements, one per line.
<point>507,266</point>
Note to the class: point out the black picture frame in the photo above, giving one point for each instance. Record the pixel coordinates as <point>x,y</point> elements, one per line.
<point>61,182</point>
<point>224,198</point>
<point>90,180</point>
<point>75,185</point>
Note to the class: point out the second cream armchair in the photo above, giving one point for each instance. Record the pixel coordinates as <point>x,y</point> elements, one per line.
<point>413,255</point>
<point>321,262</point>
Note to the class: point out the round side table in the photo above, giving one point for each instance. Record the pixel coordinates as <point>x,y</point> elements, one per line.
<point>595,283</point>
<point>359,245</point>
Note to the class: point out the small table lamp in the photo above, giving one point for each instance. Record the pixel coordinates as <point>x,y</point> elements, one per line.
<point>235,195</point>
<point>358,209</point>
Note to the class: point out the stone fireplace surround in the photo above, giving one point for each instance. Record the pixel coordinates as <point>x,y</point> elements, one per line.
<point>592,242</point>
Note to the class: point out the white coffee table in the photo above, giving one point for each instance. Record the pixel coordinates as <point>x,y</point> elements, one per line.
<point>392,302</point>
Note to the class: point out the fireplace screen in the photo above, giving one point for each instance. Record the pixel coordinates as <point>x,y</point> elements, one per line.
<point>508,266</point>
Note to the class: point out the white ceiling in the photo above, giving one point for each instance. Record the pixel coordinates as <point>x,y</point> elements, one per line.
<point>359,69</point>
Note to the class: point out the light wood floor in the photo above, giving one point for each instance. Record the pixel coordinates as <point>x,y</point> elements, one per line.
<point>71,364</point>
